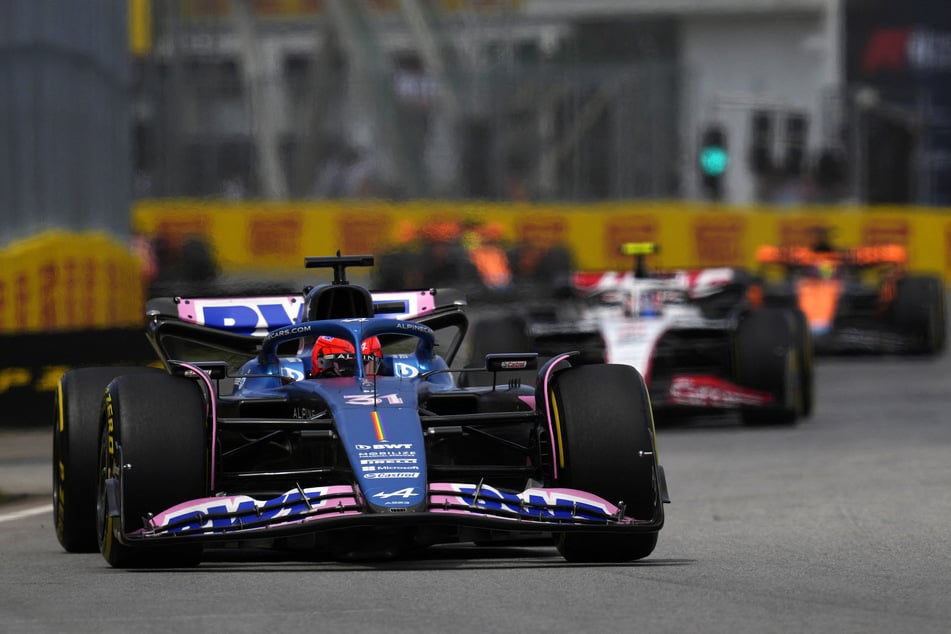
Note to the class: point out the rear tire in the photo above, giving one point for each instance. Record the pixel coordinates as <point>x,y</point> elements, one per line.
<point>154,443</point>
<point>919,311</point>
<point>768,359</point>
<point>806,359</point>
<point>75,436</point>
<point>607,445</point>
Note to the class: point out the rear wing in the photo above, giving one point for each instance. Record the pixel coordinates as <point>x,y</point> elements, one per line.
<point>695,283</point>
<point>257,316</point>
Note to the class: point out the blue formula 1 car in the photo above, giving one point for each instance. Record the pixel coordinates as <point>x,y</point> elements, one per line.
<point>273,423</point>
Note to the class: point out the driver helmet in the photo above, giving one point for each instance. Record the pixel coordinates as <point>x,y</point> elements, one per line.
<point>334,356</point>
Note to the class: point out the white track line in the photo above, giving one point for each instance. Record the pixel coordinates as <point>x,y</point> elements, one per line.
<point>16,515</point>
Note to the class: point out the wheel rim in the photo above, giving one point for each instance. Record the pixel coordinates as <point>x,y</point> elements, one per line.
<point>103,525</point>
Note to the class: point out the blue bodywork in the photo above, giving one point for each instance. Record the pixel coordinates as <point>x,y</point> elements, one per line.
<point>376,417</point>
<point>407,453</point>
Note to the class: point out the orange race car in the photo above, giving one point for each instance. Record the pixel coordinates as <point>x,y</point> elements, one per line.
<point>859,299</point>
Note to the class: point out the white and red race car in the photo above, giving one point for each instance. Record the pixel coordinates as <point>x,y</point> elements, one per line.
<point>702,339</point>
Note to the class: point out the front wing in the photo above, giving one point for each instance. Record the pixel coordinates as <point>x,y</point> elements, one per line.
<point>706,391</point>
<point>315,509</point>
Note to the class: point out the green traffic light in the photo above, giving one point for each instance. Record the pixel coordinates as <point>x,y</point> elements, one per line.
<point>713,160</point>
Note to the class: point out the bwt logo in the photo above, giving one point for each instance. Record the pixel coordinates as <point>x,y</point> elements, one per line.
<point>247,318</point>
<point>385,446</point>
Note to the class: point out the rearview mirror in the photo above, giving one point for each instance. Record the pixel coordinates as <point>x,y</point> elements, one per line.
<point>511,361</point>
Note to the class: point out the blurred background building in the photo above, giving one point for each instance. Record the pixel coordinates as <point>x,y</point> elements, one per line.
<point>736,100</point>
<point>498,99</point>
<point>65,117</point>
<point>741,101</point>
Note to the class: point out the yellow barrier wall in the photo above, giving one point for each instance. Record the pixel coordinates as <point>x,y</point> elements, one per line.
<point>275,237</point>
<point>61,281</point>
<point>58,281</point>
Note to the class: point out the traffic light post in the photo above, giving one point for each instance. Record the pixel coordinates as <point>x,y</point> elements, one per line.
<point>761,143</point>
<point>794,154</point>
<point>777,154</point>
<point>713,160</point>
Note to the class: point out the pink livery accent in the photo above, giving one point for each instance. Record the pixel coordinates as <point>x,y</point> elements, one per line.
<point>535,503</point>
<point>551,428</point>
<point>295,505</point>
<point>213,412</point>
<point>417,302</point>
<point>260,315</point>
<point>253,315</point>
<point>236,514</point>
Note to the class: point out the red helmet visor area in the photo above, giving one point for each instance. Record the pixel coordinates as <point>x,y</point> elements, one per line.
<point>336,357</point>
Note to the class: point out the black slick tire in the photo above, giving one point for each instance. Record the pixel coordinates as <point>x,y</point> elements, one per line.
<point>767,359</point>
<point>806,359</point>
<point>153,442</point>
<point>78,403</point>
<point>606,446</point>
<point>919,312</point>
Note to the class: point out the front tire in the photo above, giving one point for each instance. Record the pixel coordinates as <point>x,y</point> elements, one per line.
<point>75,436</point>
<point>603,418</point>
<point>153,444</point>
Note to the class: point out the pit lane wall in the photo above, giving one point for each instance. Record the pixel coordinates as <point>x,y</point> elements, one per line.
<point>274,238</point>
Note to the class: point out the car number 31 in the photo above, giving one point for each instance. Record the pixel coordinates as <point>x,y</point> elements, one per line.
<point>369,399</point>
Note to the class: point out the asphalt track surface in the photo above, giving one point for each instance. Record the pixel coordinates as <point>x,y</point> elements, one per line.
<point>841,523</point>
